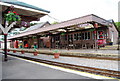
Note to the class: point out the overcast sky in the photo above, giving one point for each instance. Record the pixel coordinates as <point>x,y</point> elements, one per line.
<point>68,9</point>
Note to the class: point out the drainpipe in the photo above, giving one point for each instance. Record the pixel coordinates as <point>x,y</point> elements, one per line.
<point>118,41</point>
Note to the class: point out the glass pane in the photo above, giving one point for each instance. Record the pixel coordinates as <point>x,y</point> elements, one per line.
<point>74,36</point>
<point>88,35</point>
<point>85,35</point>
<point>79,37</point>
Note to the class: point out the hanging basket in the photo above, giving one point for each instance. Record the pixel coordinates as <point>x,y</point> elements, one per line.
<point>12,17</point>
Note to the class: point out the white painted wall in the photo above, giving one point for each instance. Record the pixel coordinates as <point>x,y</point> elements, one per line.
<point>113,34</point>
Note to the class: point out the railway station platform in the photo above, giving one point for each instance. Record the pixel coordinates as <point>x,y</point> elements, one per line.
<point>114,54</point>
<point>86,51</point>
<point>21,70</point>
<point>16,69</point>
<point>97,63</point>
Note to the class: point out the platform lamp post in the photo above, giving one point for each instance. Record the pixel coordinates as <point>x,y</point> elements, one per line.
<point>10,20</point>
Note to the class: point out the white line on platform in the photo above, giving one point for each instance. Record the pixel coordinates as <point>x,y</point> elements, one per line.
<point>67,70</point>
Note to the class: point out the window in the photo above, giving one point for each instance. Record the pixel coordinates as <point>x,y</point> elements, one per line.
<point>57,38</point>
<point>79,36</point>
<point>70,37</point>
<point>75,36</point>
<point>83,37</point>
<point>93,35</point>
<point>88,35</point>
<point>65,37</point>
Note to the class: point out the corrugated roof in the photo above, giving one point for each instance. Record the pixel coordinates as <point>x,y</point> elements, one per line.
<point>65,24</point>
<point>19,3</point>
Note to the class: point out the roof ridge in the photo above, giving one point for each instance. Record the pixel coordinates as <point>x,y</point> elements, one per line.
<point>75,18</point>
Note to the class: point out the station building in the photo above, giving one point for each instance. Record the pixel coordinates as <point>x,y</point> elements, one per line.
<point>85,32</point>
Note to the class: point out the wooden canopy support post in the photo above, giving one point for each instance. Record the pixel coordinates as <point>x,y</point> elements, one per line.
<point>67,40</point>
<point>81,40</point>
<point>22,43</point>
<point>38,40</point>
<point>96,26</point>
<point>59,42</point>
<point>50,42</point>
<point>95,39</point>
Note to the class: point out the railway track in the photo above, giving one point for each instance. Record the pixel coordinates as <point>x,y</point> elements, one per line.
<point>97,71</point>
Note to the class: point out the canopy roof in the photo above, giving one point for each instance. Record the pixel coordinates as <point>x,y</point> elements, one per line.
<point>15,2</point>
<point>73,24</point>
<point>26,11</point>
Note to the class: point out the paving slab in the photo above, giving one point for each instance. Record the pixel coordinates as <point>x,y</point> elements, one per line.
<point>19,69</point>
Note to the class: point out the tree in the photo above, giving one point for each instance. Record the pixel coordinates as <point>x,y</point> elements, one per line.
<point>118,25</point>
<point>54,22</point>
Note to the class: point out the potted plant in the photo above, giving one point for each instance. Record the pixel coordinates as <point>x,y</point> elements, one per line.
<point>22,51</point>
<point>8,50</point>
<point>56,54</point>
<point>14,51</point>
<point>35,52</point>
